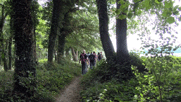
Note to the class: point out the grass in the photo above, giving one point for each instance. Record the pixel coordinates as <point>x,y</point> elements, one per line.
<point>51,79</point>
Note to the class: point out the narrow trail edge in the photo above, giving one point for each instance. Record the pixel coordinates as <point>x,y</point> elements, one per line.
<point>71,93</point>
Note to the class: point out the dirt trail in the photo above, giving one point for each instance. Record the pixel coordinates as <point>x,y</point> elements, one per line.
<point>71,92</point>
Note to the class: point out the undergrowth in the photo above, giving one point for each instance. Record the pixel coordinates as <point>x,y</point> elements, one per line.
<point>160,83</point>
<point>51,78</point>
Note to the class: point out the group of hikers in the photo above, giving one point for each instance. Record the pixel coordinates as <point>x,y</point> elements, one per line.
<point>89,60</point>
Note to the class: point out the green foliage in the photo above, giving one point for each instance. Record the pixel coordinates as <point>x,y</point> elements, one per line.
<point>162,83</point>
<point>42,60</point>
<point>6,85</point>
<point>137,61</point>
<point>101,73</point>
<point>50,79</point>
<point>81,30</point>
<point>112,90</point>
<point>100,84</point>
<point>85,33</point>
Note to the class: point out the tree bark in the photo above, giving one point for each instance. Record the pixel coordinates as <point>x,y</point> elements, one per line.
<point>34,46</point>
<point>3,53</point>
<point>121,38</point>
<point>24,65</point>
<point>9,52</point>
<point>103,28</point>
<point>61,44</point>
<point>122,51</point>
<point>74,54</point>
<point>67,53</point>
<point>63,33</point>
<point>4,58</point>
<point>54,28</point>
<point>56,56</point>
<point>10,43</point>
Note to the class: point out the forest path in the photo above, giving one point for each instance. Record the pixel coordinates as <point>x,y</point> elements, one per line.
<point>71,93</point>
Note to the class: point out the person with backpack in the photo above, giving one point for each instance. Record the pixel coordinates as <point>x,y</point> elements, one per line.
<point>92,60</point>
<point>83,59</point>
<point>99,56</point>
<point>95,56</point>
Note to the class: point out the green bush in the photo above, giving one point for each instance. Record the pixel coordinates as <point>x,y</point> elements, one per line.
<point>6,85</point>
<point>53,77</point>
<point>161,82</point>
<point>138,62</point>
<point>101,78</point>
<point>50,79</point>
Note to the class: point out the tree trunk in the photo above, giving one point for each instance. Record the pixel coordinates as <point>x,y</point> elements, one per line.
<point>77,56</point>
<point>34,46</point>
<point>10,43</point>
<point>61,44</point>
<point>122,51</point>
<point>103,28</point>
<point>55,54</point>
<point>121,38</point>
<point>3,53</point>
<point>74,54</point>
<point>54,28</point>
<point>9,52</point>
<point>24,65</point>
<point>4,58</point>
<point>63,33</point>
<point>67,53</point>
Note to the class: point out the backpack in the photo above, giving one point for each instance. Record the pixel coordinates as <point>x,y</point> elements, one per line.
<point>99,57</point>
<point>91,57</point>
<point>82,57</point>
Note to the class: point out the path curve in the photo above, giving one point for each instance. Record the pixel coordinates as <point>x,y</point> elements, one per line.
<point>71,93</point>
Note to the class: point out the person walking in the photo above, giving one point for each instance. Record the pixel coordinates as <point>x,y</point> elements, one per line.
<point>92,60</point>
<point>88,62</point>
<point>95,56</point>
<point>99,56</point>
<point>83,59</point>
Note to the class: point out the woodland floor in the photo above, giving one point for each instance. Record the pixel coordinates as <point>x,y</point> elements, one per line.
<point>71,93</point>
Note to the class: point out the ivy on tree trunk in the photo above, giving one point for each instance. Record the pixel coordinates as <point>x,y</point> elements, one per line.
<point>24,74</point>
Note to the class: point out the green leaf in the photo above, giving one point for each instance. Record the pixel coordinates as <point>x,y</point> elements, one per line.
<point>176,12</point>
<point>130,15</point>
<point>145,76</point>
<point>164,14</point>
<point>2,55</point>
<point>170,20</point>
<point>157,1</point>
<point>147,4</point>
<point>179,18</point>
<point>168,4</point>
<point>179,8</point>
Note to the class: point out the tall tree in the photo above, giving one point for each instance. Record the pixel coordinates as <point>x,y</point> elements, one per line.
<point>122,57</point>
<point>62,36</point>
<point>2,21</point>
<point>103,28</point>
<point>24,65</point>
<point>74,54</point>
<point>54,28</point>
<point>121,37</point>
<point>10,42</point>
<point>34,10</point>
<point>61,43</point>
